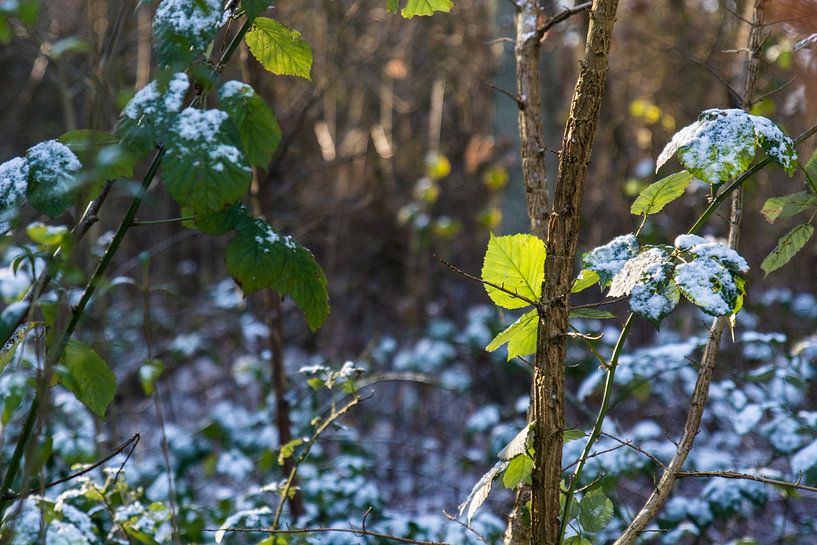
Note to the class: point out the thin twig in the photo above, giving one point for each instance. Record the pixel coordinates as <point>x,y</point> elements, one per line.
<point>600,303</point>
<point>487,283</point>
<point>132,442</point>
<point>519,102</point>
<point>629,444</point>
<point>561,16</point>
<point>748,477</point>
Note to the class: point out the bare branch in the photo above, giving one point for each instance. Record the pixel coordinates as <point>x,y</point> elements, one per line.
<point>561,16</point>
<point>487,283</point>
<point>748,477</point>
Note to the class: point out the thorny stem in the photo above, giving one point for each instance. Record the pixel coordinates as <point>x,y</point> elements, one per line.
<point>596,432</point>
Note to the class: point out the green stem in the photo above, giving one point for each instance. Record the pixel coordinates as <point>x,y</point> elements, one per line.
<point>739,181</point>
<point>596,432</point>
<point>17,456</point>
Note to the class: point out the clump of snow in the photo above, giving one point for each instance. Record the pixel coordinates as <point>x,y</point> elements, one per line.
<point>195,22</point>
<point>51,160</point>
<point>775,142</point>
<point>609,259</point>
<point>199,125</point>
<point>233,88</point>
<point>654,302</point>
<point>702,247</point>
<point>707,284</point>
<point>159,105</point>
<point>13,183</point>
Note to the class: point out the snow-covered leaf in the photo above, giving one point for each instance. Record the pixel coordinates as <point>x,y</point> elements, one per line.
<point>13,186</point>
<point>608,260</point>
<point>259,130</point>
<point>787,247</point>
<point>702,247</point>
<point>280,49</point>
<point>202,169</point>
<point>52,177</point>
<point>708,285</point>
<point>182,29</point>
<point>653,301</point>
<point>719,146</point>
<point>146,119</point>
<point>656,196</point>
<point>788,205</point>
<point>648,262</point>
<point>517,263</point>
<point>258,258</point>
<point>520,336</point>
<point>775,143</point>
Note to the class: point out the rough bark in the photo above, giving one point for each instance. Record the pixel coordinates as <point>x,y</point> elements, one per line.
<point>562,239</point>
<point>700,395</point>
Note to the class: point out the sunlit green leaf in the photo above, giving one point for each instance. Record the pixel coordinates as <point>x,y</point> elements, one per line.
<point>516,263</point>
<point>279,49</point>
<point>425,7</point>
<point>787,247</point>
<point>788,205</point>
<point>520,336</point>
<point>517,472</point>
<point>656,196</point>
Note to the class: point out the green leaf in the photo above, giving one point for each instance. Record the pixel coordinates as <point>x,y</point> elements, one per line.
<point>223,221</point>
<point>572,435</point>
<point>788,205</point>
<point>520,336</point>
<point>279,49</point>
<point>288,450</point>
<point>596,511</point>
<point>260,258</point>
<point>425,7</point>
<point>52,177</point>
<point>788,245</point>
<point>254,7</point>
<point>392,6</point>
<point>183,30</point>
<point>811,170</point>
<point>591,313</point>
<point>149,373</point>
<point>101,153</point>
<point>656,196</point>
<point>517,263</point>
<point>717,147</point>
<point>257,127</point>
<point>201,169</point>
<point>46,235</point>
<point>517,472</point>
<point>88,377</point>
<point>585,279</point>
<point>577,540</point>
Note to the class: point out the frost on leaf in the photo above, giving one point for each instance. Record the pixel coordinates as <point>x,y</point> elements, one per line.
<point>635,269</point>
<point>647,279</point>
<point>148,116</point>
<point>257,127</point>
<point>775,143</point>
<point>183,28</point>
<point>203,170</point>
<point>708,285</point>
<point>608,260</point>
<point>702,247</point>
<point>13,183</point>
<point>52,176</point>
<point>717,147</point>
<point>721,145</point>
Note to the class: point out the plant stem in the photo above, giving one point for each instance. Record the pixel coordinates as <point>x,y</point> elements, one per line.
<point>17,456</point>
<point>596,432</point>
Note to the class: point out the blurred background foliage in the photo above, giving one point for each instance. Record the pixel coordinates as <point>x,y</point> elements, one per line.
<point>402,147</point>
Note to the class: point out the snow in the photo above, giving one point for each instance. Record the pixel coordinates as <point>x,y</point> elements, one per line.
<point>150,102</point>
<point>609,259</point>
<point>708,285</point>
<point>776,144</point>
<point>199,125</point>
<point>13,184</point>
<point>716,147</point>
<point>52,161</point>
<point>235,88</point>
<point>804,460</point>
<point>702,247</point>
<point>189,20</point>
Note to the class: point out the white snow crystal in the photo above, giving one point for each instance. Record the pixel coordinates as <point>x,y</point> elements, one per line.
<point>195,21</point>
<point>149,101</point>
<point>702,247</point>
<point>708,285</point>
<point>13,182</point>
<point>235,88</point>
<point>609,259</point>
